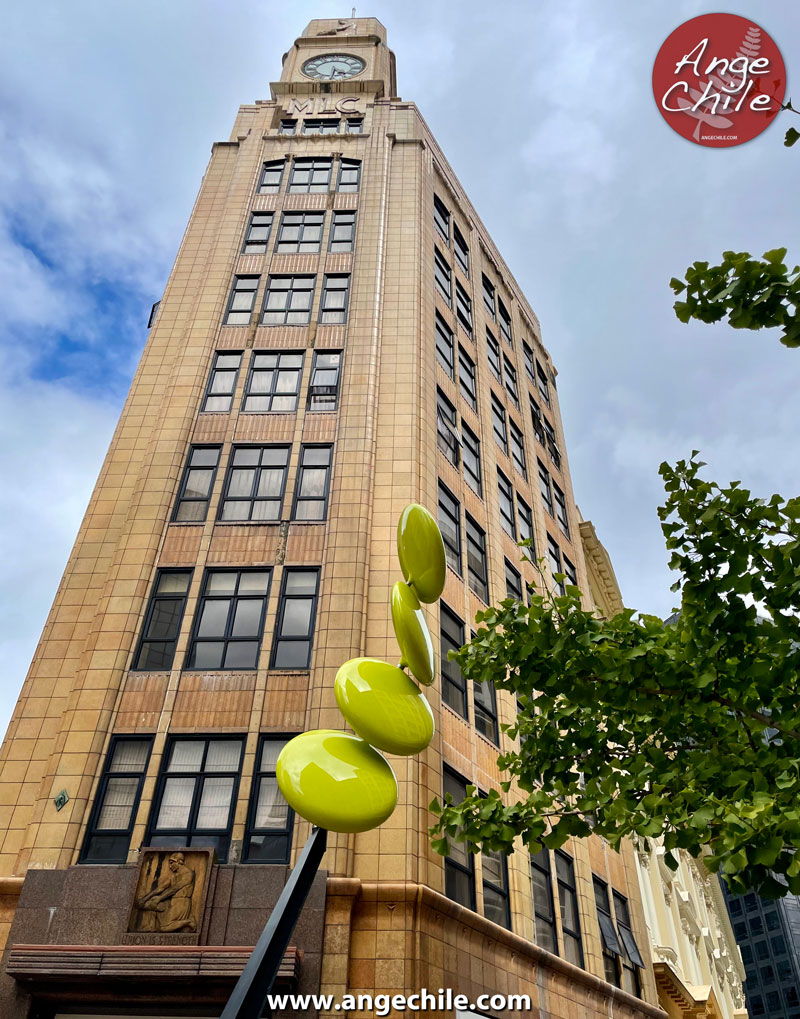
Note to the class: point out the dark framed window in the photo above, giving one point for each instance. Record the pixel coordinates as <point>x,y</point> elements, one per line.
<point>270,819</point>
<point>506,496</point>
<point>477,574</point>
<point>543,906</point>
<point>570,572</point>
<point>499,424</point>
<point>288,126</point>
<point>322,125</point>
<point>504,321</point>
<point>459,866</point>
<point>273,383</point>
<point>466,378</point>
<point>446,428</point>
<point>162,620</point>
<point>630,958</point>
<point>495,888</point>
<point>552,445</point>
<point>355,125</point>
<point>229,621</point>
<point>270,183</point>
<point>464,309</point>
<point>310,176</point>
<point>561,509</point>
<point>196,794</point>
<point>313,484</point>
<point>485,698</point>
<point>297,609</point>
<point>450,526</point>
<point>255,242</point>
<point>343,231</point>
<point>242,301</point>
<point>323,389</point>
<point>525,523</point>
<point>517,444</point>
<point>528,358</point>
<point>196,484</point>
<point>510,373</point>
<point>513,582</point>
<point>255,483</point>
<point>545,488</point>
<point>288,300</point>
<point>454,686</point>
<point>153,314</point>
<point>536,419</point>
<point>335,298</point>
<point>461,251</point>
<point>442,276</point>
<point>108,834</point>
<point>441,219</point>
<point>612,949</point>
<point>445,350</point>
<point>541,382</point>
<point>221,382</point>
<point>568,900</point>
<point>488,297</point>
<point>349,175</point>
<point>554,561</point>
<point>493,356</point>
<point>300,232</point>
<point>471,456</point>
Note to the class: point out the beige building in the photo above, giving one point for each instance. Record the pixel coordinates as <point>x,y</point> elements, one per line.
<point>338,336</point>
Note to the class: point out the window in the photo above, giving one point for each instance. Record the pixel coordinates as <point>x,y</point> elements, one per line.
<point>255,483</point>
<point>471,454</point>
<point>196,794</point>
<point>288,301</point>
<point>505,322</point>
<point>569,572</point>
<point>349,175</point>
<point>461,251</point>
<point>459,866</point>
<point>762,948</point>
<point>773,921</point>
<point>476,559</point>
<point>756,1004</point>
<point>196,484</point>
<point>335,298</point>
<point>343,232</point>
<point>778,945</point>
<point>294,629</point>
<point>554,559</point>
<point>108,835</point>
<point>229,620</point>
<point>242,301</point>
<point>756,925</point>
<point>255,243</point>
<point>612,949</point>
<point>466,378</point>
<point>323,389</point>
<point>513,582</point>
<point>488,298</point>
<point>446,434</point>
<point>355,125</point>
<point>450,526</point>
<point>441,276</point>
<point>543,906</point>
<point>270,183</point>
<point>445,353</point>
<point>441,219</point>
<point>310,176</point>
<point>320,126</point>
<point>545,489</point>
<point>222,382</point>
<point>517,448</point>
<point>506,495</point>
<point>288,126</point>
<point>269,825</point>
<point>495,888</point>
<point>541,381</point>
<point>486,712</point>
<point>153,314</point>
<point>273,383</point>
<point>454,686</point>
<point>162,621</point>
<point>464,309</point>
<point>630,957</point>
<point>552,446</point>
<point>313,483</point>
<point>493,355</point>
<point>528,358</point>
<point>511,380</point>
<point>536,418</point>
<point>525,521</point>
<point>561,509</point>
<point>300,232</point>
<point>568,899</point>
<point>499,424</point>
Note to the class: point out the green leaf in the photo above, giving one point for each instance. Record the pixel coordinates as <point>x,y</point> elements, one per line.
<point>791,137</point>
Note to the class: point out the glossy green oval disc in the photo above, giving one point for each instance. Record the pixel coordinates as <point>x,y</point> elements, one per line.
<point>336,781</point>
<point>420,550</point>
<point>384,706</point>
<point>412,634</point>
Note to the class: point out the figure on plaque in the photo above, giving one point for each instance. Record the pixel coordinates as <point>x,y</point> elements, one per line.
<point>168,907</point>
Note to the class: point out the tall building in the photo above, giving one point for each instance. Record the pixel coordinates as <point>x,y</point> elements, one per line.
<point>339,336</point>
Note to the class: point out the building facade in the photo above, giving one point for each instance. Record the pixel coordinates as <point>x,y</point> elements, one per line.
<point>339,336</point>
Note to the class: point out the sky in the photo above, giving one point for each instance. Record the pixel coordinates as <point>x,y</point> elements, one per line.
<point>545,112</point>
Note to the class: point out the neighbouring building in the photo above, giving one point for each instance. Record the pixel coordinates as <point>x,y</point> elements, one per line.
<point>339,336</point>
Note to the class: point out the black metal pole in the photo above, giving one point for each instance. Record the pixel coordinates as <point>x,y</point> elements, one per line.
<point>250,993</point>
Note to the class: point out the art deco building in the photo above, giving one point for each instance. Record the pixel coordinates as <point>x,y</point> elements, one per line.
<point>339,336</point>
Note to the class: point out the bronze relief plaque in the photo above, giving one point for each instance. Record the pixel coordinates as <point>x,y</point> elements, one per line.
<point>170,894</point>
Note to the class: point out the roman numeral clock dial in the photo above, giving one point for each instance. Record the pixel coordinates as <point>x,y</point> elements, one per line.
<point>333,67</point>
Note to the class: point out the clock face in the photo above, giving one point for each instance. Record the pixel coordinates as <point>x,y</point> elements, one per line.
<point>333,67</point>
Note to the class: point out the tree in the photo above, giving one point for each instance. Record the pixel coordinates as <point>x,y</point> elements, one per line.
<point>688,729</point>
